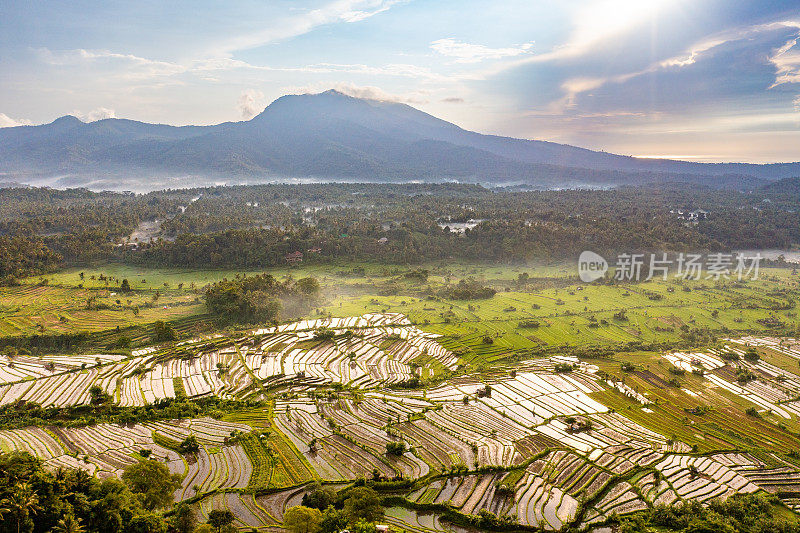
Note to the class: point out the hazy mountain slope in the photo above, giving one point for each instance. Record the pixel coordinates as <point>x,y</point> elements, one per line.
<point>331,135</point>
<point>788,186</point>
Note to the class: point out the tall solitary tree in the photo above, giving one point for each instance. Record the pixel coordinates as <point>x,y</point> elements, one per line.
<point>220,519</point>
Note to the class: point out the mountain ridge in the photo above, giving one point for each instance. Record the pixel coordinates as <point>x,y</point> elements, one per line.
<point>333,136</point>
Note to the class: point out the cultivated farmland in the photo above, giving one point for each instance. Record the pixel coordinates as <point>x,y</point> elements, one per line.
<point>556,441</point>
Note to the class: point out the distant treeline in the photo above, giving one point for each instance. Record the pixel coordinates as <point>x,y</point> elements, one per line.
<point>260,226</point>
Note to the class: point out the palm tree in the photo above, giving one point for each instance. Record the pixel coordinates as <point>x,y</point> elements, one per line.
<point>68,524</point>
<point>22,502</point>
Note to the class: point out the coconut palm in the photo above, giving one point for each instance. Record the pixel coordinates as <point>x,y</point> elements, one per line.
<point>23,502</point>
<point>68,524</point>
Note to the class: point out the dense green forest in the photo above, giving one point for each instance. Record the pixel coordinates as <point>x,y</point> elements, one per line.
<point>259,226</point>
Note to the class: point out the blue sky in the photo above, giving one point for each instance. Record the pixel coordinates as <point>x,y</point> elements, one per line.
<point>710,80</point>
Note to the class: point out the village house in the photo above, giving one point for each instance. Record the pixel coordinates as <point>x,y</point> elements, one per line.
<point>294,257</point>
<point>697,214</point>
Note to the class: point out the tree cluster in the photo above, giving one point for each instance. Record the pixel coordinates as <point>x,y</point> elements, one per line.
<point>326,511</point>
<point>261,298</point>
<point>38,500</point>
<point>742,513</point>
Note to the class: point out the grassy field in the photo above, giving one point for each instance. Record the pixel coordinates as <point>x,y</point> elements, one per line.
<point>584,315</point>
<point>37,309</point>
<point>568,312</point>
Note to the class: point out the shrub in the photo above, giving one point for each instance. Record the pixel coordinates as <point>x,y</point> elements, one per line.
<point>751,355</point>
<point>419,274</point>
<point>189,445</point>
<point>153,480</point>
<point>467,290</point>
<point>324,334</point>
<point>319,497</point>
<point>122,343</point>
<point>396,447</point>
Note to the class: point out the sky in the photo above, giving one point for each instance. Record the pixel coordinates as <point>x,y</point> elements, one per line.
<point>701,80</point>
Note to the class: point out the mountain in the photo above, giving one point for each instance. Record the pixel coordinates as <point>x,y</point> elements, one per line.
<point>788,186</point>
<point>328,136</point>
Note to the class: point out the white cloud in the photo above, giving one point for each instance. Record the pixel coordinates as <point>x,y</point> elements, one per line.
<point>135,67</point>
<point>572,88</point>
<point>475,53</point>
<point>595,22</point>
<point>691,56</point>
<point>788,64</point>
<point>375,93</point>
<point>392,69</point>
<point>787,58</point>
<point>347,11</point>
<point>368,92</point>
<point>250,103</point>
<point>223,63</point>
<point>603,19</point>
<point>8,122</point>
<point>363,14</point>
<point>99,113</point>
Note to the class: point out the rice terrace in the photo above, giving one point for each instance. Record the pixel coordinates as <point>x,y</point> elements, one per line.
<point>397,266</point>
<point>541,404</point>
